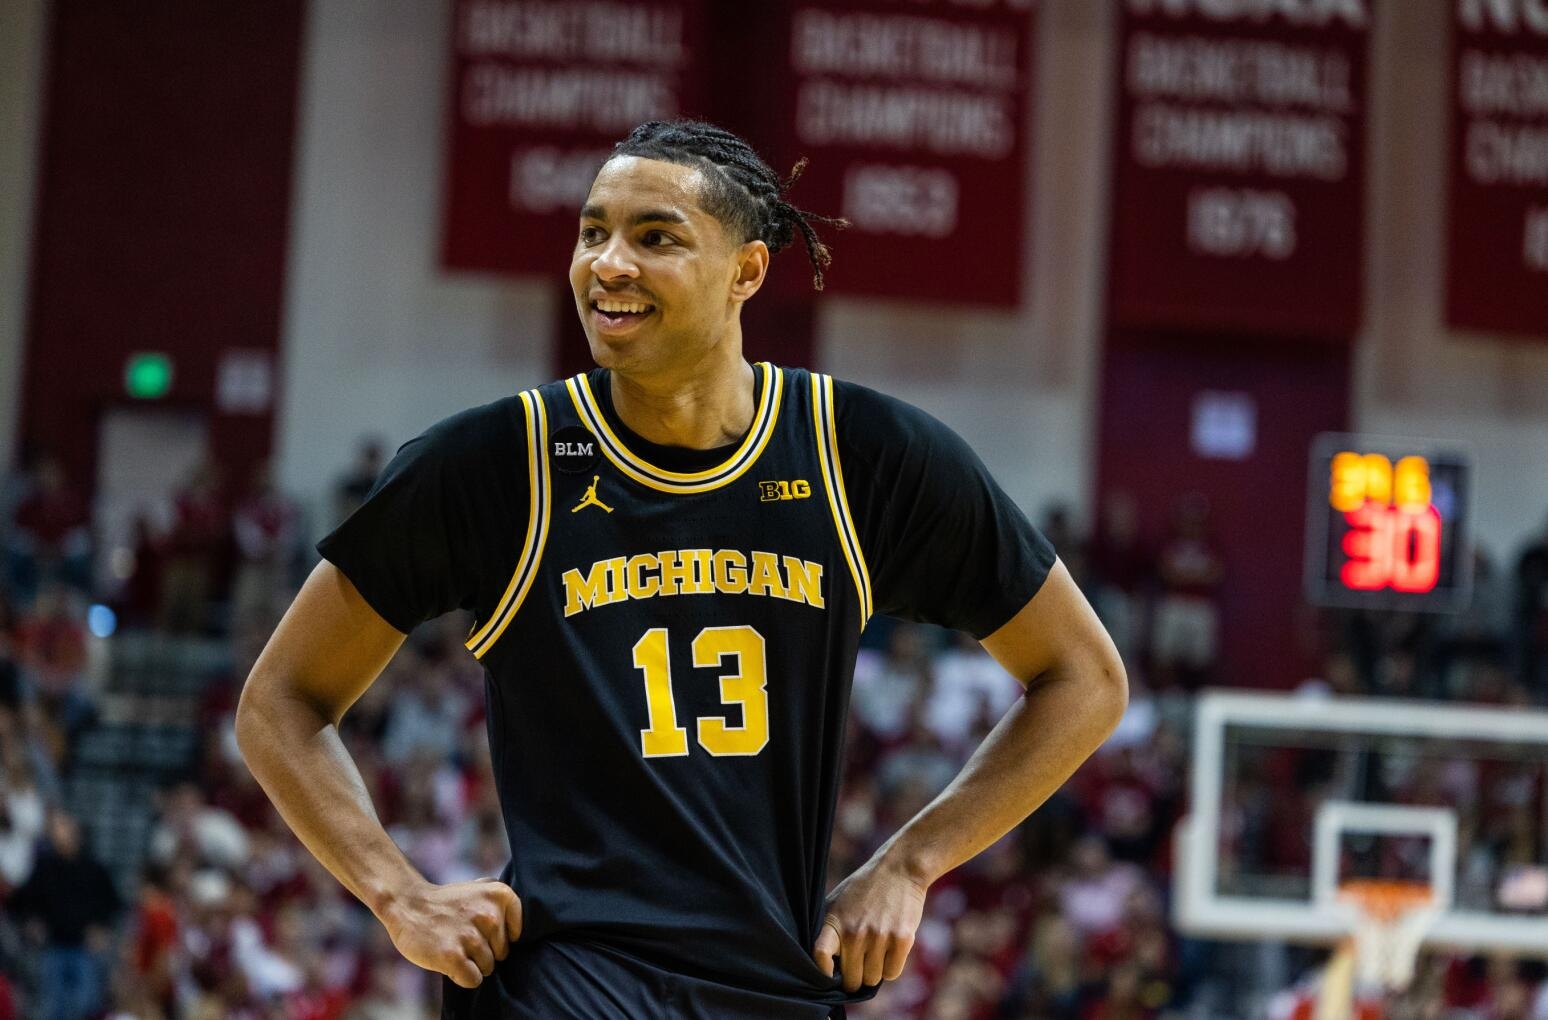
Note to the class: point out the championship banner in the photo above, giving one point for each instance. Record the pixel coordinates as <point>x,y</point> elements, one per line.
<point>1497,244</point>
<point>914,117</point>
<point>540,90</point>
<point>1238,166</point>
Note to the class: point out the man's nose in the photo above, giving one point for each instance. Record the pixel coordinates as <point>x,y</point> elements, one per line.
<point>614,261</point>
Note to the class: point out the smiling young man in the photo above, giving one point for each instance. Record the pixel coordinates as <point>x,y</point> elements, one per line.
<point>669,561</point>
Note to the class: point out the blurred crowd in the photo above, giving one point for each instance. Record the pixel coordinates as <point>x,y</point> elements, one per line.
<point>224,914</point>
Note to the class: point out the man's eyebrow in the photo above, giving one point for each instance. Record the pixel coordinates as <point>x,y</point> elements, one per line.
<point>596,212</point>
<point>659,216</point>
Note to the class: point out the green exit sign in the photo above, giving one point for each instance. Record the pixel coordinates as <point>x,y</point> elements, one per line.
<point>148,375</point>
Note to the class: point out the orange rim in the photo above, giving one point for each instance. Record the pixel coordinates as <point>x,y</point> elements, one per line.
<point>1386,898</point>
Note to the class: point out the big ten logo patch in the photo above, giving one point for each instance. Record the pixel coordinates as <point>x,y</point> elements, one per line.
<point>573,449</point>
<point>769,492</point>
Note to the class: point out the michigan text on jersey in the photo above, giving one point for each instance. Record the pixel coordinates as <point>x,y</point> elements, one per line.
<point>693,572</point>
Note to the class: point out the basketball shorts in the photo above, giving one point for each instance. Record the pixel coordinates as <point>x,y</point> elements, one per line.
<point>575,980</point>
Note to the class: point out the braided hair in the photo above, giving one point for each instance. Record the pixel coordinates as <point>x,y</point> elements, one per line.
<point>740,189</point>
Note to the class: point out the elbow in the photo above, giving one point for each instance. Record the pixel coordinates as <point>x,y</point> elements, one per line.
<point>1109,687</point>
<point>248,721</point>
<point>257,717</point>
<point>1098,684</point>
<point>1118,681</point>
<point>272,712</point>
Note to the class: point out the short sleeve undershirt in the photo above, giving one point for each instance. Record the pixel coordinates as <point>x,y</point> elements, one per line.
<point>943,542</point>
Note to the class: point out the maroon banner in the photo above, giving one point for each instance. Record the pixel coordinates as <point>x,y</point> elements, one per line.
<point>1497,244</point>
<point>540,91</point>
<point>144,241</point>
<point>914,119</point>
<point>1239,166</point>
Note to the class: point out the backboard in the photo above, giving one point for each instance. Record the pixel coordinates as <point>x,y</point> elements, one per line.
<point>1292,795</point>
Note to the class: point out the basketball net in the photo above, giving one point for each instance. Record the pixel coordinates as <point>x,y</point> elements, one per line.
<point>1389,920</point>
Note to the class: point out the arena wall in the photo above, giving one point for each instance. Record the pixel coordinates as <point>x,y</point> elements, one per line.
<point>378,340</point>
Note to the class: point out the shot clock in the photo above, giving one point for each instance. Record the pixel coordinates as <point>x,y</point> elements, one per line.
<point>1387,525</point>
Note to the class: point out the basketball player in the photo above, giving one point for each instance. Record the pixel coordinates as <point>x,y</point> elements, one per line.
<point>669,561</point>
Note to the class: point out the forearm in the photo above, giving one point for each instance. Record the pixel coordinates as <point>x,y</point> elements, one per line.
<point>1035,747</point>
<point>295,753</point>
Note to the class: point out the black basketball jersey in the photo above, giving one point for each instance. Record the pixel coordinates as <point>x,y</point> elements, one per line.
<point>680,646</point>
<point>668,651</point>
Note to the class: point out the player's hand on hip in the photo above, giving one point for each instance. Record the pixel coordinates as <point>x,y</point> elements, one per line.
<point>460,930</point>
<point>871,919</point>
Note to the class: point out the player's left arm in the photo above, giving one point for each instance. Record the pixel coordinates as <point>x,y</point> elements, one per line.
<point>946,545</point>
<point>1076,693</point>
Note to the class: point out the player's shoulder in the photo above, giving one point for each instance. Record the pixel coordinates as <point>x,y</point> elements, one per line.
<point>481,435</point>
<point>872,422</point>
<point>855,400</point>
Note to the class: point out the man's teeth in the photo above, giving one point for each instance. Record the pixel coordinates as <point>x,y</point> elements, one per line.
<point>614,307</point>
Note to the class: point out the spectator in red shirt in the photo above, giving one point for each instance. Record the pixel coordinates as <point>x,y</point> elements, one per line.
<point>52,646</point>
<point>51,536</point>
<point>1186,637</point>
<point>192,548</point>
<point>1120,572</point>
<point>264,526</point>
<point>155,940</point>
<point>1124,998</point>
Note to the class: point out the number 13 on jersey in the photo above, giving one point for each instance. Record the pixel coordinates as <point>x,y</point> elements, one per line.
<point>746,686</point>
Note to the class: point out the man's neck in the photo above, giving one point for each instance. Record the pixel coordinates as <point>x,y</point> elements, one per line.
<point>707,406</point>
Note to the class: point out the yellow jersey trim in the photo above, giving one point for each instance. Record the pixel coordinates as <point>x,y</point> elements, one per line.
<point>539,484</point>
<point>642,471</point>
<point>833,484</point>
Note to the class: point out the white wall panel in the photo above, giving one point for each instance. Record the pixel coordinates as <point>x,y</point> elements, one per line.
<point>377,339</point>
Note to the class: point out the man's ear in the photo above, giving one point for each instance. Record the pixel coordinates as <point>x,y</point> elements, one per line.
<point>752,264</point>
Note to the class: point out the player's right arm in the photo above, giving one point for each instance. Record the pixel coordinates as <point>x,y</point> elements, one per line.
<point>329,647</point>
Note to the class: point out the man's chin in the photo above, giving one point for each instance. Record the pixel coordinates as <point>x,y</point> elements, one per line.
<point>612,351</point>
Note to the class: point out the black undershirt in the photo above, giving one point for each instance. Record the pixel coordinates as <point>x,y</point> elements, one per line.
<point>673,458</point>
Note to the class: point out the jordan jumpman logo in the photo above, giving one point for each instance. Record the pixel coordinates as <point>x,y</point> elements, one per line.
<point>590,499</point>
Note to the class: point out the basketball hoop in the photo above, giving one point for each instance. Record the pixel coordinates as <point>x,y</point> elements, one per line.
<point>1390,919</point>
